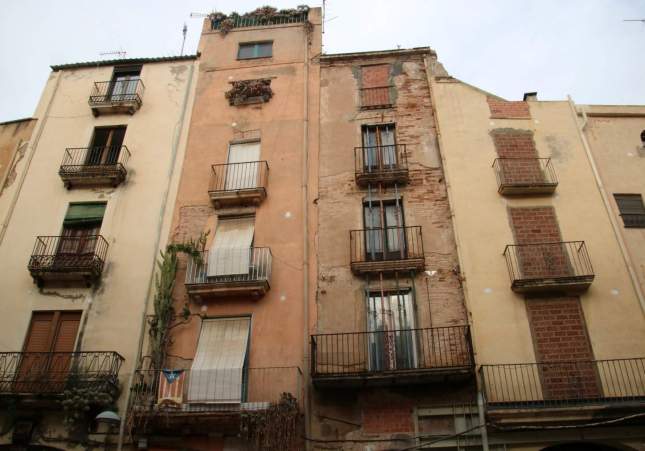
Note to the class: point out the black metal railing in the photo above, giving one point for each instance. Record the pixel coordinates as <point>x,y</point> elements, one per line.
<point>230,265</point>
<point>68,254</point>
<point>376,97</point>
<point>636,220</point>
<point>559,384</point>
<point>558,260</point>
<point>95,161</point>
<point>380,160</point>
<point>386,244</point>
<point>232,177</point>
<point>257,21</point>
<point>53,372</point>
<point>365,353</point>
<point>117,91</point>
<point>525,173</point>
<point>181,389</point>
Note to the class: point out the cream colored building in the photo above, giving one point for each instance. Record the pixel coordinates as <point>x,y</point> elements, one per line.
<point>84,222</point>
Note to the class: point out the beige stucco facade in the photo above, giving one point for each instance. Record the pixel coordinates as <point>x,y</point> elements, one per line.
<point>112,308</point>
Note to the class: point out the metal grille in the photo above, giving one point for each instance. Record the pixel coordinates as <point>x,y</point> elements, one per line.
<point>233,177</point>
<point>52,254</point>
<point>117,91</point>
<point>255,262</point>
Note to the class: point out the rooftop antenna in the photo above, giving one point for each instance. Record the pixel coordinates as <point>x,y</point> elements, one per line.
<point>183,31</point>
<point>120,53</point>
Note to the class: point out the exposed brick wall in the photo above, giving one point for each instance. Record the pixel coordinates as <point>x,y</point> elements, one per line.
<point>560,335</point>
<point>534,225</point>
<point>375,81</point>
<point>387,418</point>
<point>501,109</point>
<point>510,145</point>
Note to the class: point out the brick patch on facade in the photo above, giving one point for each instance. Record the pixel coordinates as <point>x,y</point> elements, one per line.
<point>502,109</point>
<point>519,164</point>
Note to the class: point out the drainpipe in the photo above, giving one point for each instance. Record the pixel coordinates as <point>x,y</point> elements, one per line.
<point>480,403</point>
<point>605,199</point>
<point>33,145</point>
<point>164,205</point>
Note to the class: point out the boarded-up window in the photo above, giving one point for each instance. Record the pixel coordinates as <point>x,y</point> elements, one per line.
<point>375,86</point>
<point>631,209</point>
<point>230,254</point>
<point>217,373</point>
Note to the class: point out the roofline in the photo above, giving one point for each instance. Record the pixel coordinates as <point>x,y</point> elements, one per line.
<point>122,61</point>
<point>13,121</point>
<point>378,53</point>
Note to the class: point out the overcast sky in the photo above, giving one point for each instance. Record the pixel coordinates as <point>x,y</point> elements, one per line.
<point>508,47</point>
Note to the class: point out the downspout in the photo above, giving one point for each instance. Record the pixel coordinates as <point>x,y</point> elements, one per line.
<point>305,264</point>
<point>605,199</point>
<point>33,144</point>
<point>480,403</point>
<point>171,170</point>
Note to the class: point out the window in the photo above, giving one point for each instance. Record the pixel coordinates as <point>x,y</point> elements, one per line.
<point>384,230</point>
<point>250,50</point>
<point>379,147</point>
<point>80,231</point>
<point>631,209</point>
<point>105,146</point>
<point>643,137</point>
<point>243,164</point>
<point>231,253</point>
<point>123,85</point>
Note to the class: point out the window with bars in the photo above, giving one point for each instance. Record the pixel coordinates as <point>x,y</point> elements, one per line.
<point>631,209</point>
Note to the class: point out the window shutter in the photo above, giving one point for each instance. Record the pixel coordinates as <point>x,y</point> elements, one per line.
<point>66,333</point>
<point>39,335</point>
<point>84,214</point>
<point>630,204</point>
<point>230,254</point>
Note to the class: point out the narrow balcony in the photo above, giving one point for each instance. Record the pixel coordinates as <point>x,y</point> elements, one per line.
<point>94,166</point>
<point>381,164</point>
<point>68,258</point>
<point>116,97</point>
<point>239,184</point>
<point>164,400</point>
<point>391,357</point>
<point>525,176</point>
<point>375,97</point>
<point>386,250</point>
<point>230,272</point>
<point>560,266</point>
<point>563,391</point>
<point>48,374</point>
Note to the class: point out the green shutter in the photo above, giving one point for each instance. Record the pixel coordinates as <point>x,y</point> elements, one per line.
<point>85,213</point>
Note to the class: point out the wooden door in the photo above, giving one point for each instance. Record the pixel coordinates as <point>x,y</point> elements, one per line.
<point>105,146</point>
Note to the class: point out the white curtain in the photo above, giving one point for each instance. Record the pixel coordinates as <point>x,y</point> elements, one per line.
<point>230,254</point>
<point>217,372</point>
<point>242,169</point>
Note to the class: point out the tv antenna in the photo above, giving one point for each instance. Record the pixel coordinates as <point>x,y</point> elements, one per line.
<point>184,31</point>
<point>119,53</point>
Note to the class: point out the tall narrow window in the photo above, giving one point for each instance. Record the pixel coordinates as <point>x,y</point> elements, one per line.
<point>80,232</point>
<point>123,85</point>
<point>384,229</point>
<point>631,209</point>
<point>250,50</point>
<point>231,253</point>
<point>105,146</point>
<point>390,318</point>
<point>243,165</point>
<point>379,147</point>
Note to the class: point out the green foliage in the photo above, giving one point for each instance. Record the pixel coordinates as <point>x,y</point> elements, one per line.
<point>265,15</point>
<point>80,402</point>
<point>245,89</point>
<point>273,428</point>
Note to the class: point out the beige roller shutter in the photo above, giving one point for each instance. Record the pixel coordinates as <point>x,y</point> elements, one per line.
<point>230,254</point>
<point>217,370</point>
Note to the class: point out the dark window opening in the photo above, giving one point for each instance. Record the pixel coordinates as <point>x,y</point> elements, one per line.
<point>105,146</point>
<point>252,50</point>
<point>643,137</point>
<point>81,228</point>
<point>384,230</point>
<point>123,85</point>
<point>379,147</point>
<point>631,209</point>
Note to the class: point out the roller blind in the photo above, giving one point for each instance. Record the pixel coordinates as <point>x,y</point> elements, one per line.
<point>216,375</point>
<point>230,254</point>
<point>84,214</point>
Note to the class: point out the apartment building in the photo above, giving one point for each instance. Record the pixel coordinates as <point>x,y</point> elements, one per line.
<point>557,321</point>
<point>82,207</point>
<point>248,185</point>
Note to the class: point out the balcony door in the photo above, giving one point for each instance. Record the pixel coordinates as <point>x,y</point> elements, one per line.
<point>384,230</point>
<point>81,227</point>
<point>231,253</point>
<point>390,318</point>
<point>242,169</point>
<point>46,359</point>
<point>379,147</point>
<point>123,85</point>
<point>105,146</point>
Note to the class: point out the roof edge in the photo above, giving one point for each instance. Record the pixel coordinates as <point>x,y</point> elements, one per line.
<point>377,53</point>
<point>14,121</point>
<point>122,61</point>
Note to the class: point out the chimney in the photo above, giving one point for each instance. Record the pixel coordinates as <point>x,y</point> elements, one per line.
<point>530,96</point>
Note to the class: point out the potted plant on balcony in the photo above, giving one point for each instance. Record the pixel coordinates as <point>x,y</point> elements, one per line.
<point>249,91</point>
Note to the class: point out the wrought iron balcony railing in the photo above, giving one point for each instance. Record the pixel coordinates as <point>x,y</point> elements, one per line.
<point>392,354</point>
<point>525,176</point>
<point>117,96</point>
<point>387,249</point>
<point>549,266</point>
<point>258,21</point>
<point>235,184</point>
<point>94,165</point>
<point>68,256</point>
<point>376,97</point>
<point>384,164</point>
<point>41,373</point>
<point>563,384</point>
<point>228,272</point>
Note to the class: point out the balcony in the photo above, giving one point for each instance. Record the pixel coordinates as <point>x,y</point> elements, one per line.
<point>386,250</point>
<point>238,184</point>
<point>375,97</point>
<point>116,97</point>
<point>229,273</point>
<point>93,166</point>
<point>391,357</point>
<point>68,258</point>
<point>574,390</point>
<point>381,164</point>
<point>561,266</point>
<point>525,176</point>
<point>206,398</point>
<point>48,374</point>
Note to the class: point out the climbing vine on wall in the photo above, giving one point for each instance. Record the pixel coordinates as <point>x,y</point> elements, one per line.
<point>273,428</point>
